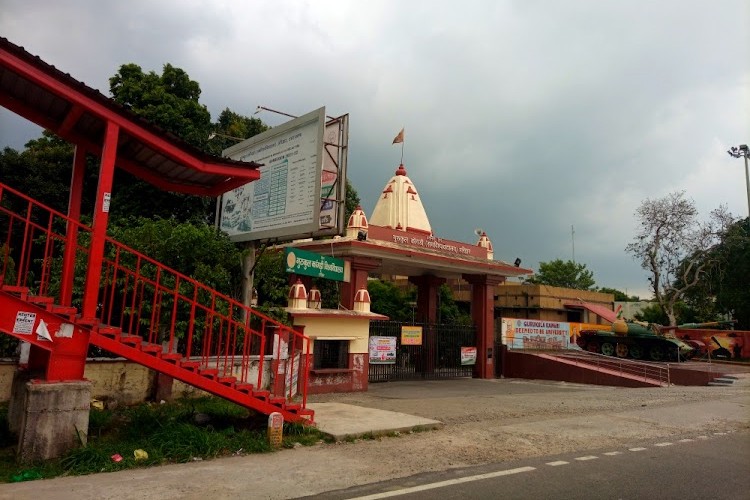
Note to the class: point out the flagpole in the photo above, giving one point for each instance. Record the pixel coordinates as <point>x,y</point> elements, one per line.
<point>402,152</point>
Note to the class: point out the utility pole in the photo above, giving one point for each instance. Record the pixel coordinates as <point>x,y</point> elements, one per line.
<point>738,152</point>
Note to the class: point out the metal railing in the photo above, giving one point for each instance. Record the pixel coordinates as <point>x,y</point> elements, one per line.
<point>142,297</point>
<point>647,371</point>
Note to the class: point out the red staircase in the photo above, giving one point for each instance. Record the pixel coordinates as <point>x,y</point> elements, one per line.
<point>145,312</point>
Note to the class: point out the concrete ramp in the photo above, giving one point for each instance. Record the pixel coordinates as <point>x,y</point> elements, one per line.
<point>595,370</point>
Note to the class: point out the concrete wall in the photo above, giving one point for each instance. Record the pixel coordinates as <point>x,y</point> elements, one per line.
<point>124,381</point>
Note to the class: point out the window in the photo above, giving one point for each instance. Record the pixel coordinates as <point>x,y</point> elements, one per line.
<point>331,354</point>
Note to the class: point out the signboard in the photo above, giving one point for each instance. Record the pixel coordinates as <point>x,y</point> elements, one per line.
<point>382,350</point>
<point>411,335</point>
<point>333,176</point>
<point>313,264</point>
<point>285,201</point>
<point>535,334</point>
<point>468,356</point>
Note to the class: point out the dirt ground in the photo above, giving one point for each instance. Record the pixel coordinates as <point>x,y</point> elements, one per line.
<point>486,421</point>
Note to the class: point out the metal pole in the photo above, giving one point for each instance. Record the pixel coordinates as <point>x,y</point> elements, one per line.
<point>747,182</point>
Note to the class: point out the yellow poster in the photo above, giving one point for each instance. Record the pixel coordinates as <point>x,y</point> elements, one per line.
<point>411,335</point>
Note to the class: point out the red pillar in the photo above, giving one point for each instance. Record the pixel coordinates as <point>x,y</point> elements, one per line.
<point>71,237</point>
<point>483,314</point>
<point>359,271</point>
<point>428,291</point>
<point>101,217</point>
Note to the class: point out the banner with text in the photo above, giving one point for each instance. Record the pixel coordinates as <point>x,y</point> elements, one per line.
<point>535,334</point>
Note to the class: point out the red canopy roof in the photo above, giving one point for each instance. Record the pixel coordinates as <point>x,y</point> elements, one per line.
<point>79,114</point>
<point>599,310</point>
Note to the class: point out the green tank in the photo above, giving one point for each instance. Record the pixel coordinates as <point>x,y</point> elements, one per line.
<point>629,339</point>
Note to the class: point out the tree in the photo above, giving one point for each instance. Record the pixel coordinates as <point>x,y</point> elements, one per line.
<point>733,291</point>
<point>230,127</point>
<point>674,246</point>
<point>565,274</point>
<point>722,289</point>
<point>170,101</point>
<point>352,201</point>
<point>620,296</point>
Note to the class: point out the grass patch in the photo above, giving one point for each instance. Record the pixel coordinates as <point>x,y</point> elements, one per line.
<point>174,432</point>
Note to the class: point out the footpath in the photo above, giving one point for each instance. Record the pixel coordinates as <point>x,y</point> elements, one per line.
<point>458,423</point>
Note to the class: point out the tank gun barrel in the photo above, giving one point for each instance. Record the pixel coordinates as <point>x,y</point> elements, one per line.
<point>726,323</point>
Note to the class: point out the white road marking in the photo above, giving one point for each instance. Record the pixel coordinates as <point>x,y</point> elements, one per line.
<point>702,437</point>
<point>442,484</point>
<point>587,457</point>
<point>663,444</point>
<point>559,462</point>
<point>636,449</point>
<point>686,440</point>
<point>720,433</point>
<point>613,453</point>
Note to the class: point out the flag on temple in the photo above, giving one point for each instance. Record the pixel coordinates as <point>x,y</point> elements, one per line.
<point>399,138</point>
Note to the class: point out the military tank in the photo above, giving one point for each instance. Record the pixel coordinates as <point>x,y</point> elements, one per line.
<point>636,340</point>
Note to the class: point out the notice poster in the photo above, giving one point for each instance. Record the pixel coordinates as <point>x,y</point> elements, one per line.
<point>535,334</point>
<point>411,335</point>
<point>382,350</point>
<point>468,356</point>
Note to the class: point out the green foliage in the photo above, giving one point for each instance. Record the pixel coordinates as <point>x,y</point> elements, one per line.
<point>169,100</point>
<point>564,274</point>
<point>196,250</point>
<point>271,279</point>
<point>230,127</point>
<point>620,296</point>
<point>167,432</point>
<point>43,170</point>
<point>722,289</point>
<point>652,314</point>
<point>733,292</point>
<point>388,299</point>
<point>449,311</point>
<point>352,201</point>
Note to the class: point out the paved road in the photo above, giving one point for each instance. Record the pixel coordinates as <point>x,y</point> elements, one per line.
<point>715,466</point>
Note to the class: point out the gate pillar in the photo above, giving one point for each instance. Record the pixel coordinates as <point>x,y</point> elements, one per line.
<point>359,271</point>
<point>428,289</point>
<point>483,314</point>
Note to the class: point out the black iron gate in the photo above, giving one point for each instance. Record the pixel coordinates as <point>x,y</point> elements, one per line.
<point>439,355</point>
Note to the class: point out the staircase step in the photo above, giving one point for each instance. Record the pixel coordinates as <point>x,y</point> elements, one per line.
<point>131,339</point>
<point>277,400</point>
<point>262,394</point>
<point>244,387</point>
<point>69,311</point>
<point>23,290</point>
<point>151,348</point>
<point>721,381</point>
<point>171,356</point>
<point>293,407</point>
<point>109,331</point>
<point>306,413</point>
<point>40,299</point>
<point>208,372</point>
<point>227,381</point>
<point>190,365</point>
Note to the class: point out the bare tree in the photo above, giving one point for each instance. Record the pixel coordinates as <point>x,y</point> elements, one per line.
<point>674,246</point>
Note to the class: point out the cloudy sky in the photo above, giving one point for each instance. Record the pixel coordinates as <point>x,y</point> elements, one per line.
<point>523,118</point>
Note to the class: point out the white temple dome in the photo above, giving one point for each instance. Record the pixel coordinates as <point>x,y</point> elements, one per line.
<point>399,206</point>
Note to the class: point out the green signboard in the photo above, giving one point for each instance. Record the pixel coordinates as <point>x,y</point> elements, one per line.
<point>313,264</point>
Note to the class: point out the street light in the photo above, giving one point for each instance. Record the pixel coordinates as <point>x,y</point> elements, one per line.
<point>737,152</point>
